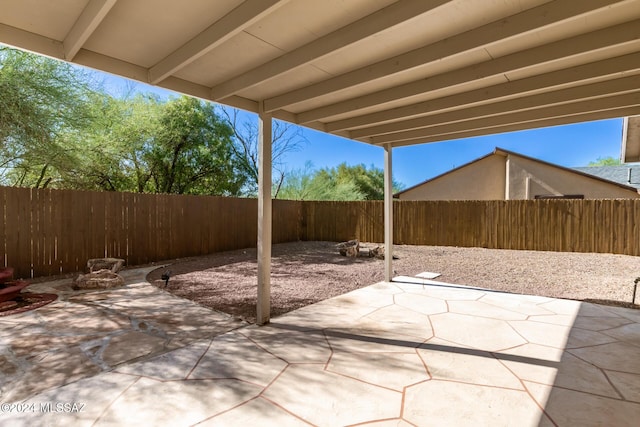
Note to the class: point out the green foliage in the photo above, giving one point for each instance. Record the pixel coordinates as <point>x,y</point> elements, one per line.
<point>144,145</point>
<point>59,130</point>
<point>40,98</point>
<point>193,151</point>
<point>296,184</point>
<point>114,145</point>
<point>605,161</point>
<point>343,182</point>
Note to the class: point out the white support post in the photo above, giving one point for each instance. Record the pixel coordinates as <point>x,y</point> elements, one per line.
<point>388,214</point>
<point>264,217</point>
<point>507,178</point>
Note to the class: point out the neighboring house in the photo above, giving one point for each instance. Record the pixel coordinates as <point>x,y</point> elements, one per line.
<point>505,175</point>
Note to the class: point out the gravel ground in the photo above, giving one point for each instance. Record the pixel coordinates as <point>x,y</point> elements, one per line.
<point>307,272</point>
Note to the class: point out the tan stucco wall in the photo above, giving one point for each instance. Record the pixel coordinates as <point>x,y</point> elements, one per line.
<point>548,180</point>
<point>485,180</point>
<point>482,180</point>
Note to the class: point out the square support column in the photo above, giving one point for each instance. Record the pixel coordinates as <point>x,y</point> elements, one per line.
<point>263,309</point>
<point>507,178</point>
<point>388,214</point>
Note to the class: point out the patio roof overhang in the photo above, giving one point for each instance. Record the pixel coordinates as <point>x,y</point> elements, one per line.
<point>377,71</point>
<point>383,72</point>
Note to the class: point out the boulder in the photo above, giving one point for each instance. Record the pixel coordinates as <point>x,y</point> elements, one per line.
<point>377,252</point>
<point>112,264</point>
<point>101,279</point>
<point>350,248</point>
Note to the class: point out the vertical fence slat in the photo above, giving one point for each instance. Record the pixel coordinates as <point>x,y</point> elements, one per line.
<point>37,234</point>
<point>17,251</point>
<point>3,227</point>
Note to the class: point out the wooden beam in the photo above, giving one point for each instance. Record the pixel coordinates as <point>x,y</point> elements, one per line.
<point>91,16</point>
<point>538,17</point>
<point>594,90</point>
<point>378,21</point>
<point>26,40</point>
<point>542,113</point>
<point>243,16</point>
<point>556,121</point>
<point>596,40</point>
<point>263,309</point>
<point>569,76</point>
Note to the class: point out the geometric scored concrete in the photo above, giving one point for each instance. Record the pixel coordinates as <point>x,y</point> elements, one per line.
<point>453,403</point>
<point>476,332</point>
<point>391,354</point>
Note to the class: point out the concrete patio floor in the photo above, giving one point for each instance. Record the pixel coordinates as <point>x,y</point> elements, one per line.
<point>424,353</point>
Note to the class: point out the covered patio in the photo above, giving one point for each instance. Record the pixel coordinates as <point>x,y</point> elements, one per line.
<point>410,352</point>
<point>388,73</point>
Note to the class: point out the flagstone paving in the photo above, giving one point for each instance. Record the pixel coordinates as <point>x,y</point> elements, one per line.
<point>392,354</point>
<point>84,333</point>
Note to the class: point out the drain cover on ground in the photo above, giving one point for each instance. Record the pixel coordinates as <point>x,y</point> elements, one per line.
<point>427,275</point>
<point>25,302</point>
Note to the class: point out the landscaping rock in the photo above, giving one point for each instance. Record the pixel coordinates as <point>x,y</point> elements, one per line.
<point>112,264</point>
<point>350,248</point>
<point>377,252</point>
<point>101,279</point>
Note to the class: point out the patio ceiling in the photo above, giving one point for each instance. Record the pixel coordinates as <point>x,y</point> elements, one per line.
<point>379,71</point>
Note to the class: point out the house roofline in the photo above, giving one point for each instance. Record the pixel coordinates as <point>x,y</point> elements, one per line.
<point>502,151</point>
<point>577,172</point>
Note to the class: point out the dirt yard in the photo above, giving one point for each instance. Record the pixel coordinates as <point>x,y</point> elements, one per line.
<point>307,272</point>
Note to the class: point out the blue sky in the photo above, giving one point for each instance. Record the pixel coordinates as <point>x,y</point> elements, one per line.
<point>571,145</point>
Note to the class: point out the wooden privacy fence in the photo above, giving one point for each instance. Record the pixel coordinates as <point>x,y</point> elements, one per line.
<point>603,226</point>
<point>48,232</point>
